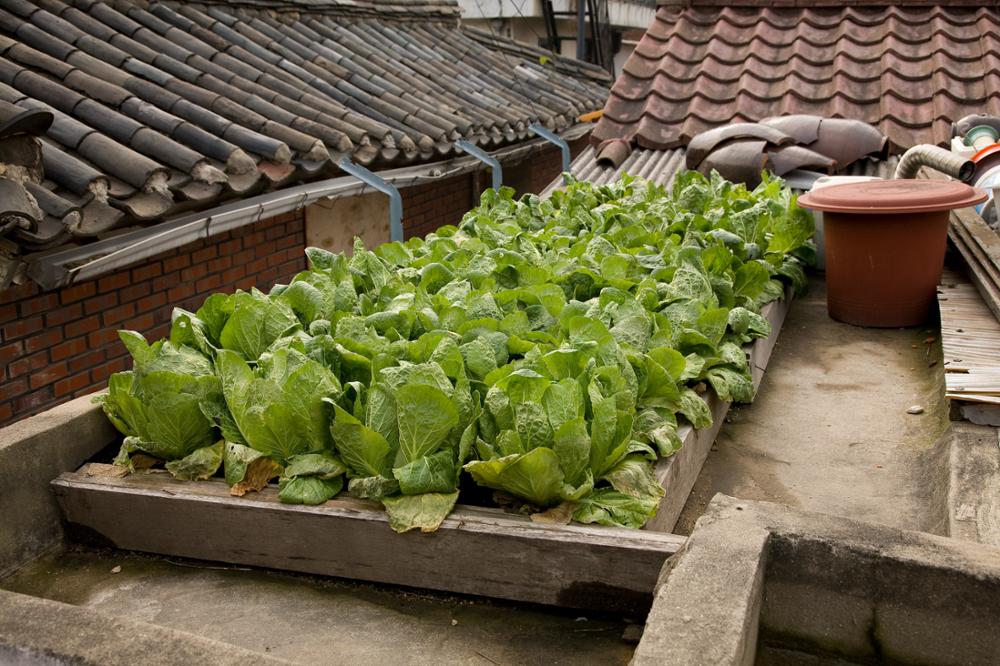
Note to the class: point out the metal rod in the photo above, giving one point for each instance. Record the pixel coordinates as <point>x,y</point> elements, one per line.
<point>493,163</point>
<point>383,186</point>
<point>554,138</point>
<point>581,33</point>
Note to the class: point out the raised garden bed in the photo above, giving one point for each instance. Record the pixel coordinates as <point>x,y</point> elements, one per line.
<point>477,550</point>
<point>542,358</point>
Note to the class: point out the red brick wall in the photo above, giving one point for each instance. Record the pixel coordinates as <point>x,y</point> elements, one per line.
<point>61,344</point>
<point>435,204</point>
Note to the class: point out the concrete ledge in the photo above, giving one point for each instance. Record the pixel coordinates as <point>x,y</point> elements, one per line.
<point>832,588</point>
<point>695,597</point>
<point>39,631</point>
<point>32,453</point>
<point>974,484</point>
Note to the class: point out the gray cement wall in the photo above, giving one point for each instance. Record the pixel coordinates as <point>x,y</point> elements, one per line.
<point>32,453</point>
<point>831,586</point>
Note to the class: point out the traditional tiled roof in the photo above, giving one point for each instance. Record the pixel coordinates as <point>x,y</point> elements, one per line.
<point>909,68</point>
<point>164,107</point>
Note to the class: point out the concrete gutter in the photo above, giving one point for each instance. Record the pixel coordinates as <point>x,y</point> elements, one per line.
<point>32,453</point>
<point>48,633</point>
<point>762,582</point>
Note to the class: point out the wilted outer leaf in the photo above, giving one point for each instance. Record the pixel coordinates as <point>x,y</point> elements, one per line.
<point>560,514</point>
<point>236,459</point>
<point>258,472</point>
<point>323,465</point>
<point>373,487</point>
<point>433,473</point>
<point>200,464</point>
<point>534,476</point>
<point>425,511</point>
<point>695,409</point>
<point>634,476</point>
<point>607,506</point>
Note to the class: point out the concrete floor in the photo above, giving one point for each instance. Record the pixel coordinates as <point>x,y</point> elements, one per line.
<point>321,621</point>
<point>829,430</point>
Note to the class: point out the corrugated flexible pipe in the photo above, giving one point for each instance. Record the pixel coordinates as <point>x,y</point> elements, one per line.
<point>936,158</point>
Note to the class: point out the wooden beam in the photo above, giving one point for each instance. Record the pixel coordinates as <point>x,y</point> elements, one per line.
<point>480,551</point>
<point>678,473</point>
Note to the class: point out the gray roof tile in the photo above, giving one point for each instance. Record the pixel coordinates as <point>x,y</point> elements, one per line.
<point>162,106</point>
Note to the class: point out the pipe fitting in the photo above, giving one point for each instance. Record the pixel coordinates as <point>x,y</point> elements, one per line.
<point>936,158</point>
<point>981,136</point>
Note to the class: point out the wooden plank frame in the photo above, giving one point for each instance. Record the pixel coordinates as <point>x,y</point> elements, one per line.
<point>477,550</point>
<point>678,473</point>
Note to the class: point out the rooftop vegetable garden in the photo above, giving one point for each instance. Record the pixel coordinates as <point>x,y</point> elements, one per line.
<point>539,355</point>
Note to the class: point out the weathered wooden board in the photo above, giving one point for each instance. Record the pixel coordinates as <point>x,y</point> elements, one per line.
<point>678,473</point>
<point>970,343</point>
<point>476,550</point>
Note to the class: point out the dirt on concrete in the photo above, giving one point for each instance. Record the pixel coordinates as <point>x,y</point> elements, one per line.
<point>315,620</point>
<point>829,430</point>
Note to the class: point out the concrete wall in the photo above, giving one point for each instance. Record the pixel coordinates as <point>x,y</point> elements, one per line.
<point>32,453</point>
<point>333,224</point>
<point>39,632</point>
<point>762,583</point>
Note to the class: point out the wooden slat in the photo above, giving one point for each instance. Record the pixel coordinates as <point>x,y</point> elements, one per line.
<point>678,473</point>
<point>978,245</point>
<point>476,550</point>
<point>970,342</point>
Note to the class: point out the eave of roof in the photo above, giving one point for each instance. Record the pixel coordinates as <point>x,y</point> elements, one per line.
<point>662,166</point>
<point>73,264</point>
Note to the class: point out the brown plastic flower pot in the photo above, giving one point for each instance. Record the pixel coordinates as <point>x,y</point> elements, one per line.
<point>885,244</point>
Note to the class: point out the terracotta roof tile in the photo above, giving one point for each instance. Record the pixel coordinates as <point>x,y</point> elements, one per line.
<point>909,68</point>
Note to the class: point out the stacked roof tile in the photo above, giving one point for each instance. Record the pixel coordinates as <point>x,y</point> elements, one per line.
<point>164,107</point>
<point>910,68</point>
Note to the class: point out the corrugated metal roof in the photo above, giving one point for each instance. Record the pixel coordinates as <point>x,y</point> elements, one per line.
<point>660,166</point>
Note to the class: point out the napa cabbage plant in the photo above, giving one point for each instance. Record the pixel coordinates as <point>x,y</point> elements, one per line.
<point>545,350</point>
